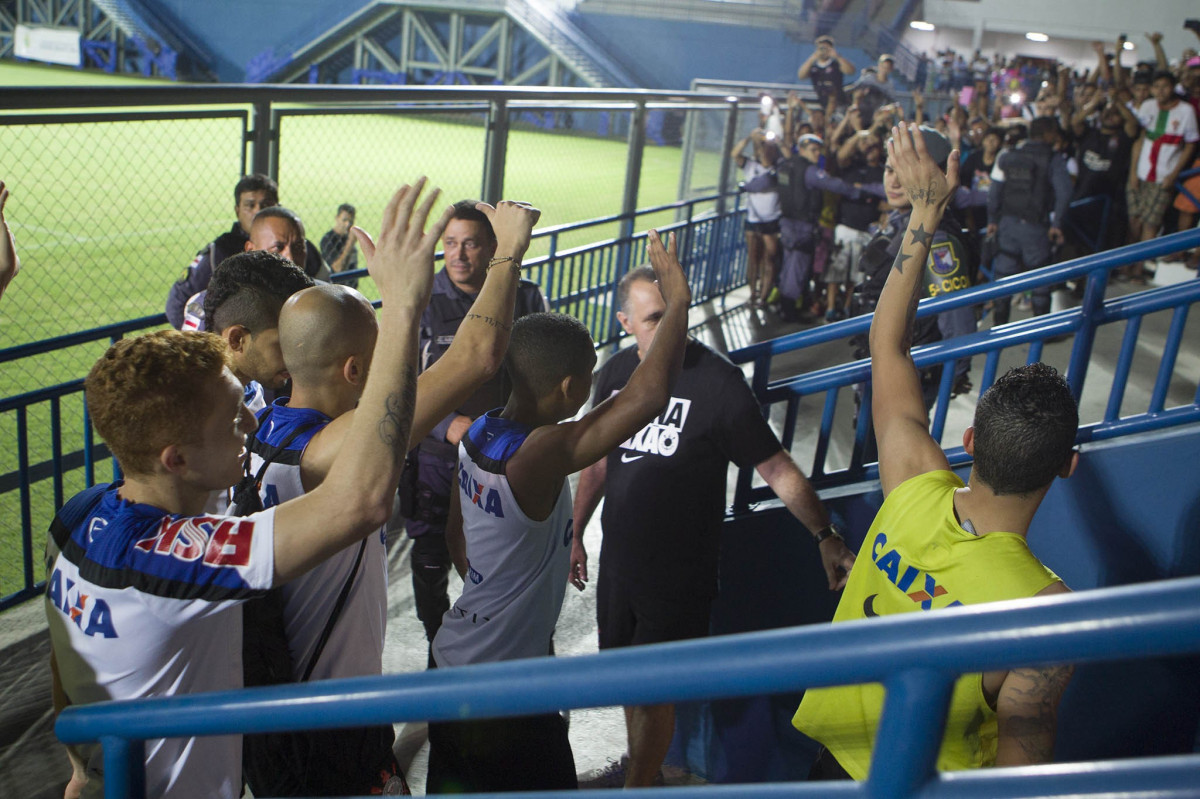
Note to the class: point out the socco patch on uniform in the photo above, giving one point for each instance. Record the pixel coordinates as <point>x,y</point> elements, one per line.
<point>943,259</point>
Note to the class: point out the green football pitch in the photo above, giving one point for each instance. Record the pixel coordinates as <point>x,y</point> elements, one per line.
<point>107,214</point>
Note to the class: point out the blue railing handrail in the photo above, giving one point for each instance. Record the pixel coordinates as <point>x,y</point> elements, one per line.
<point>981,342</point>
<point>1047,275</point>
<point>917,656</point>
<point>1082,321</point>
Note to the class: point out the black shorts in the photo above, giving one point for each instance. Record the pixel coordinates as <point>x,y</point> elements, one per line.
<point>530,753</point>
<point>763,228</point>
<point>628,621</point>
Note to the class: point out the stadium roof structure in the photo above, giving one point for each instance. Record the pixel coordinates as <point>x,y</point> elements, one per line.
<point>510,42</point>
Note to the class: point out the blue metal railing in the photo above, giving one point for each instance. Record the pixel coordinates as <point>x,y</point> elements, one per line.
<point>1082,322</point>
<point>916,656</point>
<point>580,280</point>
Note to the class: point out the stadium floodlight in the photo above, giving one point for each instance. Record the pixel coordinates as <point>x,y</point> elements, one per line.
<point>921,25</point>
<point>1037,37</point>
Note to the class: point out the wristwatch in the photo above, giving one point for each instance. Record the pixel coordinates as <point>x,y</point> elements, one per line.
<point>828,531</point>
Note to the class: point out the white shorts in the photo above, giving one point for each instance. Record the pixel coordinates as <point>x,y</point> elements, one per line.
<point>843,266</point>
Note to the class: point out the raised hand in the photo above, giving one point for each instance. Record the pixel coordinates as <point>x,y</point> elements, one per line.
<point>1155,37</point>
<point>671,280</point>
<point>513,224</point>
<point>401,263</point>
<point>10,264</point>
<point>923,180</point>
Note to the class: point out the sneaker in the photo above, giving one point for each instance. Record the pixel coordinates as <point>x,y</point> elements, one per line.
<point>611,776</point>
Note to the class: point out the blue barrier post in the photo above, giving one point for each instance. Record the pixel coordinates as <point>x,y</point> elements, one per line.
<point>916,699</point>
<point>124,767</point>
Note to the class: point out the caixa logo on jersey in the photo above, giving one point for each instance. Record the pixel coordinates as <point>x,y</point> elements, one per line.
<point>477,493</point>
<point>88,614</point>
<point>218,542</point>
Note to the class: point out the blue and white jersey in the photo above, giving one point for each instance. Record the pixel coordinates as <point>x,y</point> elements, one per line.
<point>355,645</point>
<point>517,567</point>
<point>253,396</point>
<point>139,604</point>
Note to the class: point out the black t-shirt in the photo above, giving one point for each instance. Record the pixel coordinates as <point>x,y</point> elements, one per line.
<point>861,214</point>
<point>665,491</point>
<point>827,81</point>
<point>1103,162</point>
<point>974,169</point>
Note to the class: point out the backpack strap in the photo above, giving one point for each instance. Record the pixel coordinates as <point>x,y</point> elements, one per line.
<point>269,454</point>
<point>337,611</point>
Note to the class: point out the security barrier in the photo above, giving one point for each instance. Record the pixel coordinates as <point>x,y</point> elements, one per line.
<point>1083,322</point>
<point>916,656</point>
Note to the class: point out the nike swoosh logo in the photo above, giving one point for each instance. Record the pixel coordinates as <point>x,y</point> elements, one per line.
<point>627,458</point>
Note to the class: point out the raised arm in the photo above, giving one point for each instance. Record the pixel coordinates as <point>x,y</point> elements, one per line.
<point>555,451</point>
<point>1160,56</point>
<point>10,264</point>
<point>1120,74</point>
<point>898,410</point>
<point>1129,119</point>
<point>478,348</point>
<point>475,354</point>
<point>356,496</point>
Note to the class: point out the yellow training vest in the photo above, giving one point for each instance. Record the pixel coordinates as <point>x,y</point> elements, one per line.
<point>916,556</point>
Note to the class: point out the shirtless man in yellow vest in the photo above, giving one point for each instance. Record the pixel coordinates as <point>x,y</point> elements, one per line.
<point>937,543</point>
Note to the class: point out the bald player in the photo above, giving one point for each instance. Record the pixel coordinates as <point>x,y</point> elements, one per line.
<point>327,334</point>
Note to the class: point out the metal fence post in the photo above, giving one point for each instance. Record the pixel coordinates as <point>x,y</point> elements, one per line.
<point>495,151</point>
<point>633,177</point>
<point>730,137</point>
<point>264,140</point>
<point>1092,311</point>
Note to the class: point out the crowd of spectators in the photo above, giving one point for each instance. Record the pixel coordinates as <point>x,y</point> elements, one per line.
<point>1123,133</point>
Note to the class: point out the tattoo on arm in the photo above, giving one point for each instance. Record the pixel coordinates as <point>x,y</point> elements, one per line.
<point>901,257</point>
<point>920,236</point>
<point>396,422</point>
<point>925,196</point>
<point>1031,724</point>
<point>489,321</point>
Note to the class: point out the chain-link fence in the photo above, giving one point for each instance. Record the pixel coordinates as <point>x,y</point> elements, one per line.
<point>109,208</point>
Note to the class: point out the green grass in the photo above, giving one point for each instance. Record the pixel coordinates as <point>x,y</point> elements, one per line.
<point>107,214</point>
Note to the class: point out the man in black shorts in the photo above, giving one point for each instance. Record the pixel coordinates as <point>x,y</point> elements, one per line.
<point>660,556</point>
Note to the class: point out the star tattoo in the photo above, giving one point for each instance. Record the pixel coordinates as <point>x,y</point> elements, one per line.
<point>919,236</point>
<point>901,257</point>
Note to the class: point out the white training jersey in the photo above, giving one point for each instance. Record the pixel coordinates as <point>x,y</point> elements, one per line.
<point>517,567</point>
<point>355,644</point>
<point>142,603</point>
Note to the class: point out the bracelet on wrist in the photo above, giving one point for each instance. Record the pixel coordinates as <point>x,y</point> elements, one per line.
<point>505,259</point>
<point>828,531</point>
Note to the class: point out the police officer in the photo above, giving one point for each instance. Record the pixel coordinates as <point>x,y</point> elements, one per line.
<point>251,194</point>
<point>800,181</point>
<point>469,245</point>
<point>948,268</point>
<point>1027,202</point>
